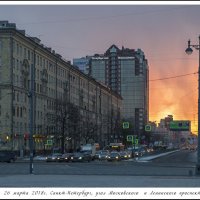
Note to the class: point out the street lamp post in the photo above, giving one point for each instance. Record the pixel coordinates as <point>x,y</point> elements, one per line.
<point>189,51</point>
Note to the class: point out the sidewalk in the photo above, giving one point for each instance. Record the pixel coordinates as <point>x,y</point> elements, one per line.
<point>97,181</point>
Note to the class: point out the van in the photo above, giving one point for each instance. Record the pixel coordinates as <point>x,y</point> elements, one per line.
<point>7,156</point>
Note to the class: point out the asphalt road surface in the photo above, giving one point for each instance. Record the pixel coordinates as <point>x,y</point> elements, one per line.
<point>181,163</point>
<point>173,170</point>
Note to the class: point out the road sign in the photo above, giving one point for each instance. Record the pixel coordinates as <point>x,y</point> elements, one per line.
<point>135,141</point>
<point>49,142</point>
<point>125,125</point>
<point>129,138</point>
<point>148,128</point>
<point>180,125</point>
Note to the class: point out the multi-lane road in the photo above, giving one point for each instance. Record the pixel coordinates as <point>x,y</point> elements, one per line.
<point>172,170</point>
<point>179,163</point>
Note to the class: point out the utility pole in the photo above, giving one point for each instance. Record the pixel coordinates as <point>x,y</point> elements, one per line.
<point>31,117</point>
<point>189,51</point>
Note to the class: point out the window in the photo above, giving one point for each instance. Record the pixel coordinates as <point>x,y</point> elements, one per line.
<point>24,53</point>
<point>0,46</point>
<point>13,111</point>
<point>21,112</point>
<point>17,49</point>
<point>17,111</point>
<point>29,55</point>
<point>18,97</point>
<point>20,50</point>
<point>17,64</point>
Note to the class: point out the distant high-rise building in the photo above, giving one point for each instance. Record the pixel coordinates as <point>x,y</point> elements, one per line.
<point>82,64</point>
<point>126,71</point>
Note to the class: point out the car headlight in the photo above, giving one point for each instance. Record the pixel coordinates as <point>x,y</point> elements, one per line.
<point>117,157</point>
<point>80,158</point>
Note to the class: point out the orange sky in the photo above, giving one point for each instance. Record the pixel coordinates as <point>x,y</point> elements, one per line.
<point>175,96</point>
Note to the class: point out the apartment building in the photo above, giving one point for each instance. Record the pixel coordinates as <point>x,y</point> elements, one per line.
<point>69,107</point>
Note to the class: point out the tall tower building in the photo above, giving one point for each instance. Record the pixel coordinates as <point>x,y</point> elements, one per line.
<point>126,71</point>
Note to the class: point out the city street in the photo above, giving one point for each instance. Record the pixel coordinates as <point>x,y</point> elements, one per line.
<point>180,163</point>
<point>173,170</point>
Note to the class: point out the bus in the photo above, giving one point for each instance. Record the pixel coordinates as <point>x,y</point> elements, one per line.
<point>115,147</point>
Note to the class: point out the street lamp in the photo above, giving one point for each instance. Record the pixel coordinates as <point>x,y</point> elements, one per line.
<point>189,52</point>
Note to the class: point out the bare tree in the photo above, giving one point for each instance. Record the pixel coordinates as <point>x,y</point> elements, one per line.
<point>73,123</point>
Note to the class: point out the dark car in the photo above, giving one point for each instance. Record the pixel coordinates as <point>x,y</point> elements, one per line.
<point>114,156</point>
<point>7,156</point>
<point>64,157</point>
<point>125,155</point>
<point>104,155</point>
<point>136,152</point>
<point>81,157</point>
<point>53,157</point>
<point>96,156</point>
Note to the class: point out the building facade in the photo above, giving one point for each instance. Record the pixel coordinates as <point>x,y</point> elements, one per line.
<point>69,107</point>
<point>82,64</point>
<point>126,71</point>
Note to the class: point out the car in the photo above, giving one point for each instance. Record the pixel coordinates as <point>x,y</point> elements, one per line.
<point>136,152</point>
<point>96,156</point>
<point>7,156</point>
<point>103,155</point>
<point>66,157</point>
<point>125,155</point>
<point>39,158</point>
<point>114,156</point>
<point>81,157</point>
<point>53,157</point>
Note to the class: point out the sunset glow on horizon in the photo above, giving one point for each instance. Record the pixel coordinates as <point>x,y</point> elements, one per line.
<point>175,96</point>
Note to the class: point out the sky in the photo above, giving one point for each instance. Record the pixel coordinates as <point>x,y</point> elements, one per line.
<point>160,30</point>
